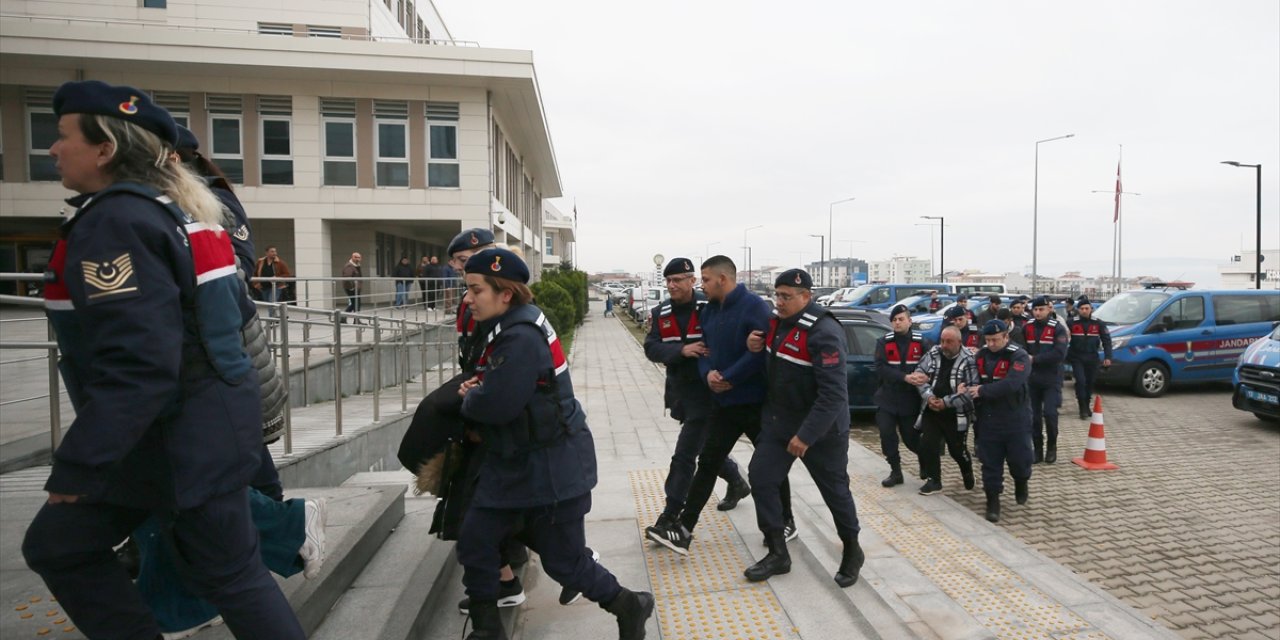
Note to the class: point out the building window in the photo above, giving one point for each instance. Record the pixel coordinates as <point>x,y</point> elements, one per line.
<point>155,4</point>
<point>551,245</point>
<point>339,142</point>
<point>42,132</point>
<point>226,135</point>
<point>1,151</point>
<point>442,145</point>
<point>390,121</point>
<point>275,29</point>
<point>276,142</point>
<point>177,104</point>
<point>323,32</point>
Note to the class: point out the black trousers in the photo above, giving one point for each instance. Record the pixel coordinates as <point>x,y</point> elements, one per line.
<point>1085,372</point>
<point>892,426</point>
<point>936,428</point>
<point>828,463</point>
<point>1044,411</point>
<point>70,546</point>
<point>556,531</point>
<point>727,425</point>
<point>1000,445</point>
<point>693,435</point>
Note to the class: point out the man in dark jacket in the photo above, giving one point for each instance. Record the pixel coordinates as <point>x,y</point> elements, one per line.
<point>993,309</point>
<point>1046,340</point>
<point>675,340</point>
<point>805,416</point>
<point>1003,415</point>
<point>736,379</point>
<point>403,273</point>
<point>1087,337</point>
<point>897,400</point>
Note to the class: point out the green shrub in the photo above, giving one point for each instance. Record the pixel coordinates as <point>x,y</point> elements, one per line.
<point>574,284</point>
<point>556,303</point>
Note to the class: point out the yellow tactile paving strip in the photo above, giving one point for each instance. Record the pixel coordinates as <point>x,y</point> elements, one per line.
<point>996,597</point>
<point>703,596</point>
<point>40,616</point>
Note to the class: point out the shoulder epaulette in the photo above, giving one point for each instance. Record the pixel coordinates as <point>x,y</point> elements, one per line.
<point>889,335</point>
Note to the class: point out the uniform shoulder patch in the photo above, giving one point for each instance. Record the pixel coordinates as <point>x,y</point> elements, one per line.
<point>242,233</point>
<point>888,335</point>
<point>830,358</point>
<point>113,277</point>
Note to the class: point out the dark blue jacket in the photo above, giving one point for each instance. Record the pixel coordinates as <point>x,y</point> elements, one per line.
<point>893,394</point>
<point>686,393</point>
<point>1003,402</point>
<point>168,409</point>
<point>1087,337</point>
<point>537,447</point>
<point>808,387</point>
<point>1047,351</point>
<point>725,328</point>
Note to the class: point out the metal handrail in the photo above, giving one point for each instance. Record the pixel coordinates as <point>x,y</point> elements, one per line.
<point>385,332</point>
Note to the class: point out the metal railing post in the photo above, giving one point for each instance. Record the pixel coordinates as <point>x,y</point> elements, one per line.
<point>422,356</point>
<point>404,366</point>
<point>337,372</point>
<point>55,402</point>
<point>306,361</point>
<point>377,366</point>
<point>282,312</point>
<point>439,363</point>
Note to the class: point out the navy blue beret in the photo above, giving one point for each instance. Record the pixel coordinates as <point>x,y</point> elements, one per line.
<point>678,266</point>
<point>1083,300</point>
<point>470,239</point>
<point>499,263</point>
<point>794,278</point>
<point>992,327</point>
<point>1040,301</point>
<point>127,103</point>
<point>956,311</point>
<point>899,308</point>
<point>187,139</point>
<point>963,296</point>
<point>1022,299</point>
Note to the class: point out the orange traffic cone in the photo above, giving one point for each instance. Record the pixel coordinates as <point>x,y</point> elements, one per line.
<point>1095,449</point>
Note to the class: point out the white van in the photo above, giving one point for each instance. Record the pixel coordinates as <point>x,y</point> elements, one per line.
<point>978,288</point>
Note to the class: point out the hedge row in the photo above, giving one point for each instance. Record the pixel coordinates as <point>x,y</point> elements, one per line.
<point>562,295</point>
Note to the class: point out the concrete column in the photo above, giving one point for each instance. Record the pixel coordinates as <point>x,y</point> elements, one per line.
<point>311,245</point>
<point>14,120</point>
<point>249,150</point>
<point>364,144</point>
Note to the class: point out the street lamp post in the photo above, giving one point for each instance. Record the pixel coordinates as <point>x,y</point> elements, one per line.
<point>822,251</point>
<point>1257,264</point>
<point>942,245</point>
<point>1035,215</point>
<point>746,252</point>
<point>832,237</point>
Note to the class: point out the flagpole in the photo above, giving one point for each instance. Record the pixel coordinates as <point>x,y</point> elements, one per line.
<point>1119,225</point>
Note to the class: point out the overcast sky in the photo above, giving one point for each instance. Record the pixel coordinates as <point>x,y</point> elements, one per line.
<point>678,124</point>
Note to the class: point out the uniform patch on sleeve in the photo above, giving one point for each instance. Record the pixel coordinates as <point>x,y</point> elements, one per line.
<point>830,358</point>
<point>1018,366</point>
<point>109,278</point>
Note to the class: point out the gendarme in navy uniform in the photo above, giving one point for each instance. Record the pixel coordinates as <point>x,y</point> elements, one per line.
<point>1088,336</point>
<point>1046,343</point>
<point>675,340</point>
<point>538,458</point>
<point>1003,415</point>
<point>146,307</point>
<point>897,354</point>
<point>805,416</point>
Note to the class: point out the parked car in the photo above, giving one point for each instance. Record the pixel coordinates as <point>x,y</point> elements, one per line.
<point>1256,380</point>
<point>1164,335</point>
<point>861,329</point>
<point>836,297</point>
<point>919,304</point>
<point>883,296</point>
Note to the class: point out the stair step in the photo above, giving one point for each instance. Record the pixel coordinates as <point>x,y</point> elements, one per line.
<point>405,578</point>
<point>358,521</point>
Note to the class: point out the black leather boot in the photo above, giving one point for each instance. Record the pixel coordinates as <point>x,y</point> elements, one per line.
<point>850,562</point>
<point>894,478</point>
<point>633,609</point>
<point>1051,451</point>
<point>1039,451</point>
<point>1085,413</point>
<point>1020,491</point>
<point>776,562</point>
<point>966,472</point>
<point>993,506</point>
<point>485,623</point>
<point>738,489</point>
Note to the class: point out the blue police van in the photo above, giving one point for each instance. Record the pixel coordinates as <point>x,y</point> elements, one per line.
<point>1256,381</point>
<point>1164,335</point>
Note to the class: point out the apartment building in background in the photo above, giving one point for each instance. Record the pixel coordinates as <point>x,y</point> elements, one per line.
<point>903,269</point>
<point>346,125</point>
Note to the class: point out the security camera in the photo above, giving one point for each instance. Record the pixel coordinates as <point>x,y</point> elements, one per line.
<point>502,218</point>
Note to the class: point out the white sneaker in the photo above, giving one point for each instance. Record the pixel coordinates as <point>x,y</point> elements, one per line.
<point>179,635</point>
<point>312,550</point>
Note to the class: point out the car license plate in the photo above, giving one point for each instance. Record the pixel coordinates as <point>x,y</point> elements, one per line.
<point>1269,398</point>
